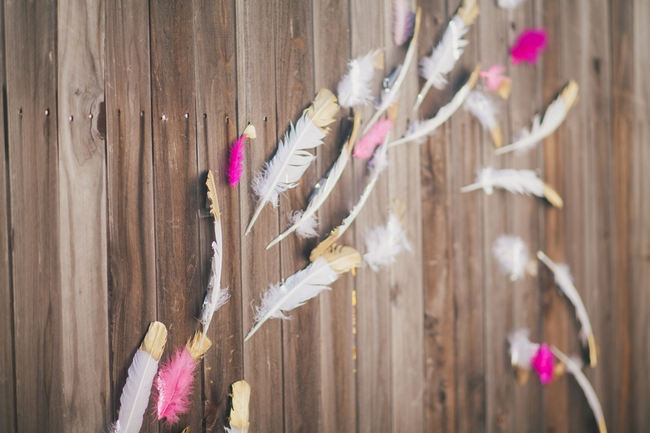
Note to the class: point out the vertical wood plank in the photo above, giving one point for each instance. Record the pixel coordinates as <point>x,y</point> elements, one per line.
<point>131,244</point>
<point>33,174</point>
<point>177,184</point>
<point>216,117</point>
<point>256,29</point>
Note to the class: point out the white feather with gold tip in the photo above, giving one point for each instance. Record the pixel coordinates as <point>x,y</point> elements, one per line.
<point>482,107</point>
<point>354,89</point>
<point>239,413</point>
<point>384,243</point>
<point>513,257</point>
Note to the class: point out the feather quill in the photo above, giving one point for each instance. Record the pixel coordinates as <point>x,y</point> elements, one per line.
<point>292,158</point>
<point>237,157</point>
<point>565,284</point>
<point>135,394</point>
<point>402,22</point>
<point>239,412</point>
<point>384,243</point>
<point>435,67</point>
<point>418,130</point>
<point>304,285</point>
<point>513,257</point>
<point>574,367</point>
<point>516,181</point>
<point>509,4</point>
<point>354,88</point>
<point>389,97</point>
<point>304,222</point>
<point>484,110</point>
<point>541,128</point>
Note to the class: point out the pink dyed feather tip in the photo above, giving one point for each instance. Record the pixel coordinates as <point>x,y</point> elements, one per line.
<point>236,160</point>
<point>174,385</point>
<point>529,46</point>
<point>544,363</point>
<point>377,134</point>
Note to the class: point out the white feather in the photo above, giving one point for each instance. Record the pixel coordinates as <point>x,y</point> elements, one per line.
<point>288,164</point>
<point>235,430</point>
<point>517,181</point>
<point>354,88</point>
<point>522,350</point>
<point>135,394</point>
<point>512,255</point>
<point>294,292</point>
<point>384,243</point>
<point>509,4</point>
<point>574,367</point>
<point>482,108</point>
<point>304,224</point>
<point>216,297</point>
<point>565,284</point>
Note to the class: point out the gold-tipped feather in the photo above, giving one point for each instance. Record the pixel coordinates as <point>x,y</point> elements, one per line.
<point>250,132</point>
<point>504,88</point>
<point>553,197</point>
<point>155,339</point>
<point>342,258</point>
<point>497,137</point>
<point>323,110</point>
<point>569,94</point>
<point>212,195</point>
<point>239,413</point>
<point>593,350</point>
<point>324,245</point>
<point>468,11</point>
<point>198,345</point>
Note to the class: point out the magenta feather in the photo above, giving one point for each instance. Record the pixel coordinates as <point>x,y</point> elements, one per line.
<point>366,146</point>
<point>403,20</point>
<point>174,386</point>
<point>529,46</point>
<point>236,160</point>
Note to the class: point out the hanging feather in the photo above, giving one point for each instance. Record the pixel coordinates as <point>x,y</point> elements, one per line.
<point>304,222</point>
<point>354,89</point>
<point>366,146</point>
<point>239,412</point>
<point>513,257</point>
<point>484,110</point>
<point>435,67</point>
<point>574,367</point>
<point>526,355</point>
<point>516,181</point>
<point>135,394</point>
<point>553,118</point>
<point>305,285</point>
<point>175,380</point>
<point>403,20</point>
<point>529,46</point>
<point>384,243</point>
<point>237,157</point>
<point>292,158</point>
<point>565,284</point>
<point>420,129</point>
<point>509,4</point>
<point>496,82</point>
<point>389,96</point>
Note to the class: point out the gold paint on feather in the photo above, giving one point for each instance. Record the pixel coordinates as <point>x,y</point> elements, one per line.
<point>325,244</point>
<point>239,413</point>
<point>352,138</point>
<point>569,94</point>
<point>323,110</point>
<point>198,345</point>
<point>342,258</point>
<point>468,11</point>
<point>497,137</point>
<point>212,196</point>
<point>155,339</point>
<point>250,132</point>
<point>504,88</point>
<point>552,196</point>
<point>593,350</point>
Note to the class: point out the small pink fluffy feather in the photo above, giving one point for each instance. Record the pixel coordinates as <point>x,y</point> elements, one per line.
<point>236,160</point>
<point>493,77</point>
<point>366,146</point>
<point>544,363</point>
<point>529,46</point>
<point>403,20</point>
<point>174,386</point>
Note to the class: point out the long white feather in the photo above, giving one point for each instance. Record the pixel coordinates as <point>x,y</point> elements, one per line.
<point>384,243</point>
<point>512,255</point>
<point>354,89</point>
<point>574,367</point>
<point>517,181</point>
<point>294,292</point>
<point>418,130</point>
<point>509,4</point>
<point>482,107</point>
<point>522,350</point>
<point>216,296</point>
<point>541,128</point>
<point>135,394</point>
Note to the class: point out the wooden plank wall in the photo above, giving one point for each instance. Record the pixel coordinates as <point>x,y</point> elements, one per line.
<point>112,113</point>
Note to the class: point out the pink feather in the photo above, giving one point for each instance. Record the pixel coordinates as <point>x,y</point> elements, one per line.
<point>529,46</point>
<point>544,363</point>
<point>493,77</point>
<point>236,160</point>
<point>366,146</point>
<point>174,386</point>
<point>403,20</point>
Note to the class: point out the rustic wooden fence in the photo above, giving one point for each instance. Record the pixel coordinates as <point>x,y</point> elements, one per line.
<point>114,110</point>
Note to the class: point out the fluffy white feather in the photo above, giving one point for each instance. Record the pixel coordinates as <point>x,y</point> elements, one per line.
<point>305,225</point>
<point>512,255</point>
<point>509,4</point>
<point>216,296</point>
<point>522,350</point>
<point>541,128</point>
<point>135,394</point>
<point>482,107</point>
<point>354,89</point>
<point>574,367</point>
<point>517,181</point>
<point>384,243</point>
<point>294,292</point>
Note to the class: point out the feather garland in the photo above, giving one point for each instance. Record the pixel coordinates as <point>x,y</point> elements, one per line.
<point>354,89</point>
<point>418,130</point>
<point>239,412</point>
<point>574,367</point>
<point>526,355</point>
<point>384,243</point>
<point>511,253</point>
<point>484,110</point>
<point>135,394</point>
<point>509,4</point>
<point>553,117</point>
<point>564,282</point>
<point>304,222</point>
<point>435,67</point>
<point>237,157</point>
<point>305,285</point>
<point>516,181</point>
<point>389,97</point>
<point>403,20</point>
<point>366,146</point>
<point>292,158</point>
<point>529,46</point>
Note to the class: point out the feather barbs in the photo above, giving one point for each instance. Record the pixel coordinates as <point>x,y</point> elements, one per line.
<point>354,89</point>
<point>529,46</point>
<point>237,156</point>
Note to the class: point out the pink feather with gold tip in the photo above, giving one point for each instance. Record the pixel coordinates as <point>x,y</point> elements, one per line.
<point>366,146</point>
<point>237,157</point>
<point>174,386</point>
<point>529,46</point>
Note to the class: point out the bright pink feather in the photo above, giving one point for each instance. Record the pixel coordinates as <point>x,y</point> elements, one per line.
<point>174,386</point>
<point>236,161</point>
<point>529,46</point>
<point>364,147</point>
<point>493,77</point>
<point>403,20</point>
<point>544,363</point>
